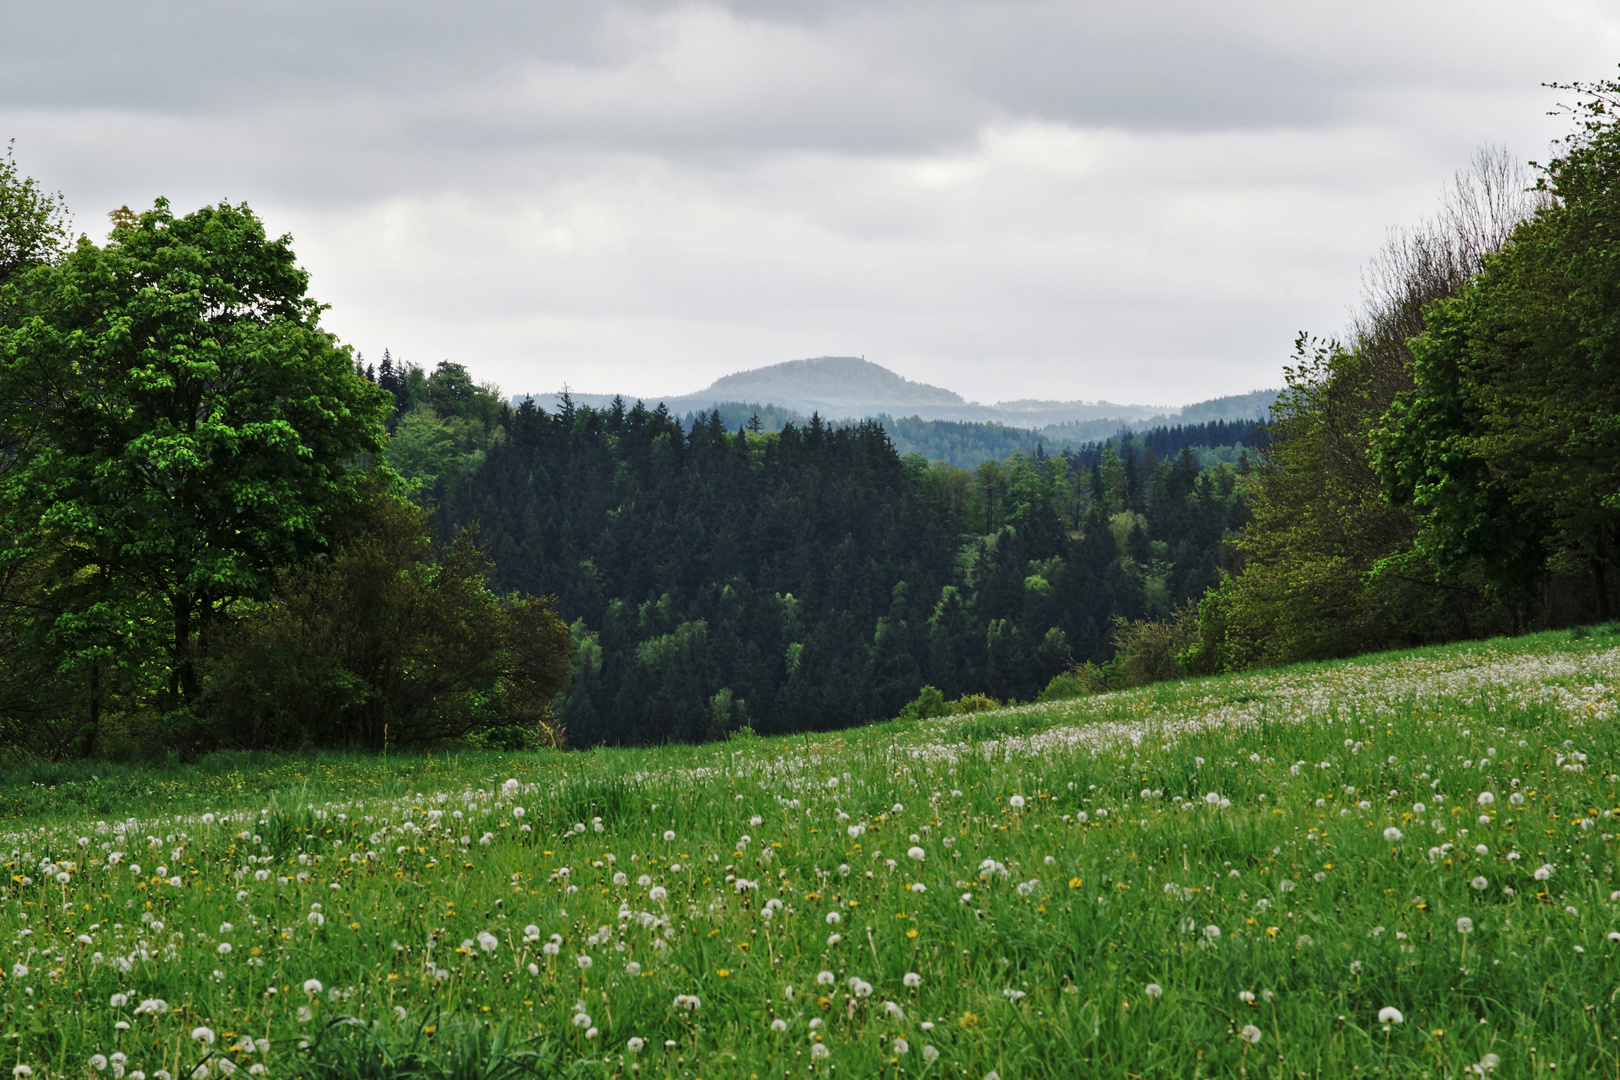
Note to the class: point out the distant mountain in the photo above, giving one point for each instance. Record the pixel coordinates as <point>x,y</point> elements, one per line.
<point>852,388</point>
<point>830,384</point>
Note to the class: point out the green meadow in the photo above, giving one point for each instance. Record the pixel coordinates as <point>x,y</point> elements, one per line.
<point>1397,865</point>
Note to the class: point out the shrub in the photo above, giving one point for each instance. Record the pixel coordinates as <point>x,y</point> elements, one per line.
<point>1149,650</point>
<point>930,703</point>
<point>1146,650</point>
<point>379,644</point>
<point>1067,684</point>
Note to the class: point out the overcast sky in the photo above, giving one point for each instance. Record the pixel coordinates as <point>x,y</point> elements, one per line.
<point>1135,201</point>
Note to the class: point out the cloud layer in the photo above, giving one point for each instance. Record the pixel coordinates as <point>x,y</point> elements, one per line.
<point>1009,199</point>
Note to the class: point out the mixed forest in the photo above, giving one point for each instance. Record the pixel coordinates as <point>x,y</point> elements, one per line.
<point>223,528</point>
<point>815,577</point>
<point>812,576</point>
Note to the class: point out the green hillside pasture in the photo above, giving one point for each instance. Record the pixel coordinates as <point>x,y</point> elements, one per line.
<point>1205,878</point>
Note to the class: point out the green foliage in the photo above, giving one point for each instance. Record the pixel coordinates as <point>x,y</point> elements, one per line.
<point>442,425</point>
<point>1323,527</point>
<point>381,644</point>
<point>1150,650</point>
<point>1509,442</point>
<point>966,444</point>
<point>1147,650</point>
<point>727,714</point>
<point>1331,565</point>
<point>424,448</point>
<point>746,416</point>
<point>1068,684</point>
<point>928,704</point>
<point>180,427</point>
<point>1452,471</point>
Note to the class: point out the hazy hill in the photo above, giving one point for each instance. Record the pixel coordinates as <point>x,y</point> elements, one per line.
<point>828,383</point>
<point>852,388</point>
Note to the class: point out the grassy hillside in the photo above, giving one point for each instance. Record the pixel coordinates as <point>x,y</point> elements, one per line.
<point>1205,878</point>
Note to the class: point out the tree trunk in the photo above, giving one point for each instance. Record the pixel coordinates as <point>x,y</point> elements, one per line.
<point>1600,577</point>
<point>95,711</point>
<point>182,671</point>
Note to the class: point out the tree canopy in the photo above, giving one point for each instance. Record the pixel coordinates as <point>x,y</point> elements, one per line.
<point>1509,440</point>
<point>178,426</point>
<point>1451,470</point>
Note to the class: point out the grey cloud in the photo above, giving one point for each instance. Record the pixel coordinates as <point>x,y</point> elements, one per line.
<point>1011,198</point>
<point>862,78</point>
<point>195,56</point>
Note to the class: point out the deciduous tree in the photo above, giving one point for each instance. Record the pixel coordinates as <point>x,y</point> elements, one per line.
<point>179,426</point>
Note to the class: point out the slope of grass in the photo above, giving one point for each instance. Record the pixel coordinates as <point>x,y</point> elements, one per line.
<point>1218,877</point>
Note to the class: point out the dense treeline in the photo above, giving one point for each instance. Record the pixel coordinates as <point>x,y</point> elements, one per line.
<point>815,578</point>
<point>962,443</point>
<point>1451,470</point>
<point>1161,442</point>
<point>966,443</point>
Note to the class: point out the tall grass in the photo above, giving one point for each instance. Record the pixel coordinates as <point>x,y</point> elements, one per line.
<point>1218,877</point>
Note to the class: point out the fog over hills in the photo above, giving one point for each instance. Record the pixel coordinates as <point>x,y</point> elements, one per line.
<point>852,387</point>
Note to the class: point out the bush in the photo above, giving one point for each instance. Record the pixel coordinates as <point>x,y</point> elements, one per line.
<point>1149,650</point>
<point>1146,651</point>
<point>930,703</point>
<point>378,644</point>
<point>1067,684</point>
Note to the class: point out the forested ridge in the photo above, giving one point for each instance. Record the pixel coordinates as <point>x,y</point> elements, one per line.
<point>814,577</point>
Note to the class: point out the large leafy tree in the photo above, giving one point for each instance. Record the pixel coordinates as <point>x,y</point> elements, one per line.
<point>1509,442</point>
<point>1330,565</point>
<point>178,426</point>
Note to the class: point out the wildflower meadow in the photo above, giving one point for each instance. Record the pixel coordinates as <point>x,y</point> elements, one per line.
<point>1401,865</point>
